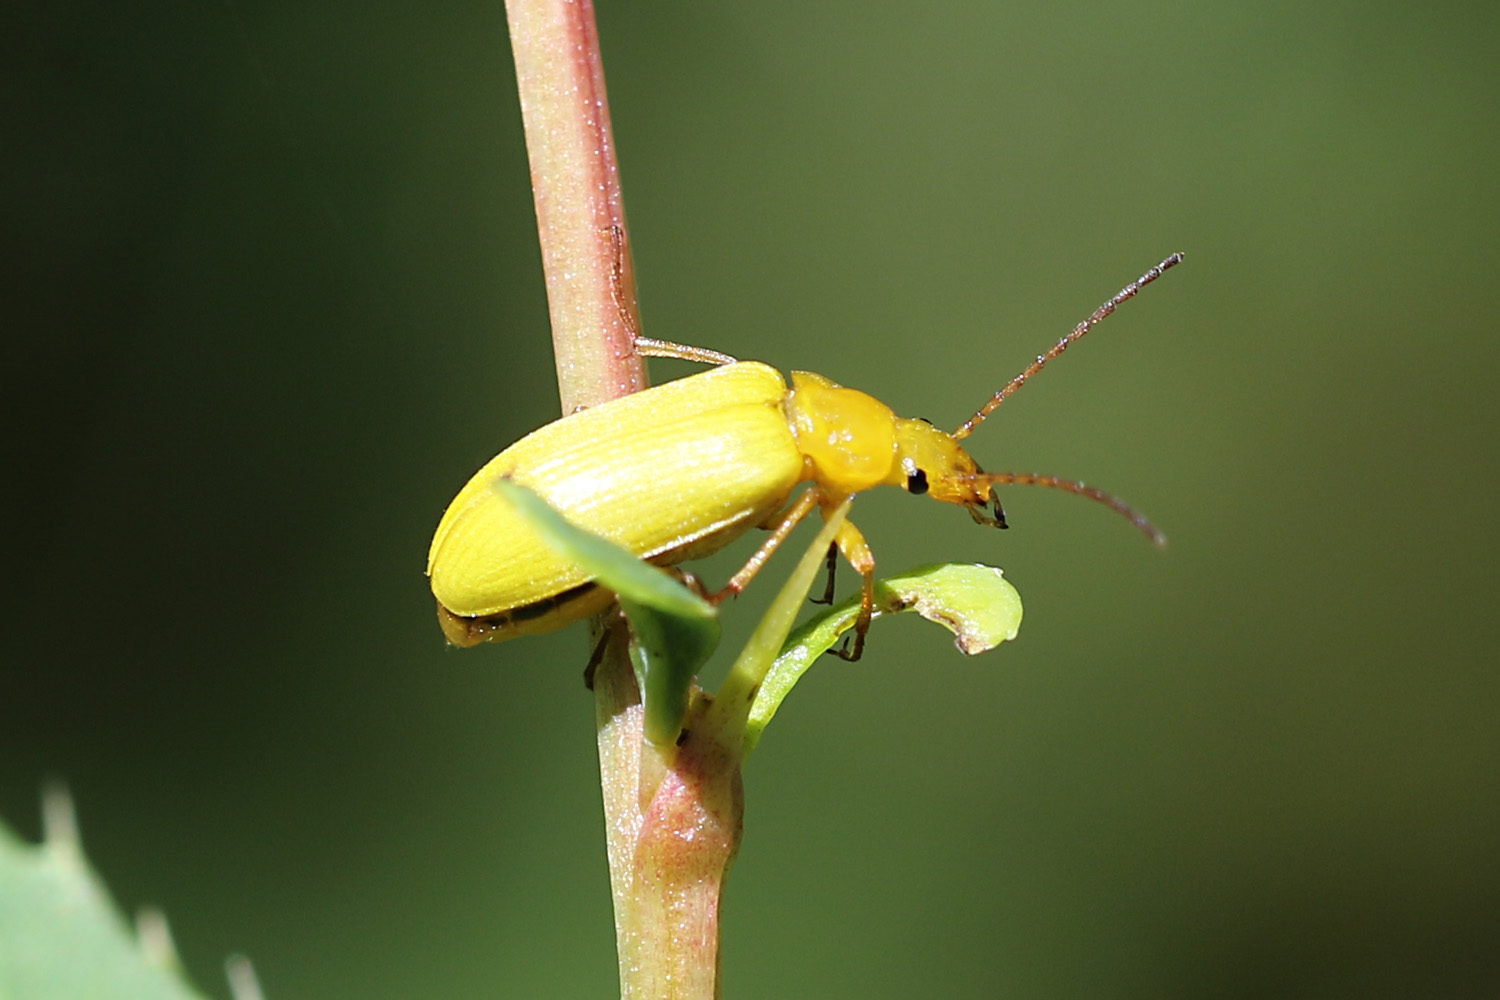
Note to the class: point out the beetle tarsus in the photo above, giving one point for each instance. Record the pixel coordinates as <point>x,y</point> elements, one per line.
<point>845,653</point>
<point>597,656</point>
<point>833,564</point>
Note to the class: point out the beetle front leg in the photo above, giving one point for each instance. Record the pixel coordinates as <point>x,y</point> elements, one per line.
<point>646,347</point>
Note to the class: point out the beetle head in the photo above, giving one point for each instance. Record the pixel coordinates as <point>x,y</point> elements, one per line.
<point>932,462</point>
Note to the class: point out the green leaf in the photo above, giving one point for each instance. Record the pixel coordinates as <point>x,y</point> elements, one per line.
<point>731,707</point>
<point>974,602</point>
<point>61,937</point>
<point>674,630</point>
<point>667,651</point>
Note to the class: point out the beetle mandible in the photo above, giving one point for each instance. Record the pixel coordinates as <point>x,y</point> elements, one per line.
<point>682,469</point>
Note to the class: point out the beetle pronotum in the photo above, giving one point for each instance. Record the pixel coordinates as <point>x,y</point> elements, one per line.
<point>682,469</point>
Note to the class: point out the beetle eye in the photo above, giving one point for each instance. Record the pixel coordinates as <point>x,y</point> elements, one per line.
<point>916,482</point>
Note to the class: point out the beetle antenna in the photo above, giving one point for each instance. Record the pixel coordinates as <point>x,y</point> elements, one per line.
<point>1109,500</point>
<point>1127,292</point>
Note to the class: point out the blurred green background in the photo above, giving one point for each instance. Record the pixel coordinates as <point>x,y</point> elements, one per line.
<point>272,292</point>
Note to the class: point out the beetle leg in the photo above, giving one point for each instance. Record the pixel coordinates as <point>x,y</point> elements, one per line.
<point>848,541</point>
<point>690,581</point>
<point>645,346</point>
<point>855,549</point>
<point>596,657</point>
<point>833,565</point>
<point>780,529</point>
<point>617,283</point>
<point>612,626</point>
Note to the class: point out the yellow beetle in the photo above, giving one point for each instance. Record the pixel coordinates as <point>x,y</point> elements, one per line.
<point>680,470</point>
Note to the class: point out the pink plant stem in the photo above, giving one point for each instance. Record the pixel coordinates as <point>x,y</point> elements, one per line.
<point>672,815</point>
<point>575,180</point>
<point>688,838</point>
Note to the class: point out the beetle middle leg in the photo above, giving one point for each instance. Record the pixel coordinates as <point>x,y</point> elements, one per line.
<point>833,565</point>
<point>848,541</point>
<point>852,544</point>
<point>781,527</point>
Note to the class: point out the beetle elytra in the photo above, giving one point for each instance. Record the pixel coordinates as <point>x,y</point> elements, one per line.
<point>680,470</point>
